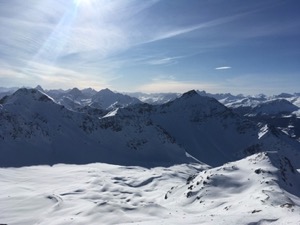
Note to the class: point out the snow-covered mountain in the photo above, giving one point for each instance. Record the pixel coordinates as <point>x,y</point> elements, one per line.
<point>206,129</point>
<point>137,134</point>
<point>36,130</point>
<point>281,111</point>
<point>269,107</point>
<point>156,98</point>
<point>89,92</point>
<point>275,107</point>
<point>109,100</point>
<point>74,99</point>
<point>260,104</point>
<point>78,100</point>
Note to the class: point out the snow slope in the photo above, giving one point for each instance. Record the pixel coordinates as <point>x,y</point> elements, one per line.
<point>261,189</point>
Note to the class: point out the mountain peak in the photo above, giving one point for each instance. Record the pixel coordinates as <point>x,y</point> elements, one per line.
<point>106,91</point>
<point>89,91</point>
<point>39,87</point>
<point>284,95</point>
<point>190,93</point>
<point>28,93</point>
<point>75,91</point>
<point>111,100</point>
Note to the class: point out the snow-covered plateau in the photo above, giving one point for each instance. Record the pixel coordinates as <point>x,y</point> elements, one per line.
<point>86,157</point>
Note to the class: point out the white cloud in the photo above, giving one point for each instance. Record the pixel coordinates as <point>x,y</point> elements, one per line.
<point>165,61</point>
<point>223,68</point>
<point>169,32</point>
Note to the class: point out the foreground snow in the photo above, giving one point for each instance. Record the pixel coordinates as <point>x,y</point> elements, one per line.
<point>261,189</point>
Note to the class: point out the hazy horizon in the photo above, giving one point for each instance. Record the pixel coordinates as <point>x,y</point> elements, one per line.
<point>147,93</point>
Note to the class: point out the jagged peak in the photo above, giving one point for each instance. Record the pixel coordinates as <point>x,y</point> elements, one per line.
<point>32,93</point>
<point>193,102</point>
<point>190,93</point>
<point>193,96</point>
<point>39,87</point>
<point>26,91</point>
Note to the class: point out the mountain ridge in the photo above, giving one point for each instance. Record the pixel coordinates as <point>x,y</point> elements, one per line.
<point>198,125</point>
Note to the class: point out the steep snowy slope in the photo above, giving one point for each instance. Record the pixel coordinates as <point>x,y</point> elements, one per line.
<point>35,130</point>
<point>261,189</point>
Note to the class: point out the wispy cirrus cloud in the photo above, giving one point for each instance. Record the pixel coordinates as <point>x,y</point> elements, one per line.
<point>64,38</point>
<point>223,68</point>
<point>170,32</point>
<point>165,60</point>
<point>75,42</point>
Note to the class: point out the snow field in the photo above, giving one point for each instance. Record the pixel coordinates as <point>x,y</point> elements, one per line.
<point>260,189</point>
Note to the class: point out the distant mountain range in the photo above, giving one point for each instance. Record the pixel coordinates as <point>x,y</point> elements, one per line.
<point>81,126</point>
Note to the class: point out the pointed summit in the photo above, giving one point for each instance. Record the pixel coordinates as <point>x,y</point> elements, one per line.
<point>190,93</point>
<point>39,88</point>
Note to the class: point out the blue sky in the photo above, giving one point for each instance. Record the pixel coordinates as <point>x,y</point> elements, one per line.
<point>235,46</point>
